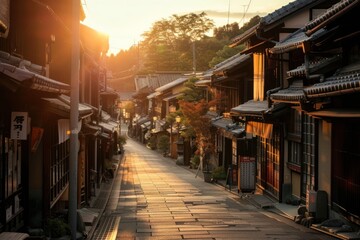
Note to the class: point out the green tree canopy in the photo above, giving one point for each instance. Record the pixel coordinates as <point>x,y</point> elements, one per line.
<point>168,44</point>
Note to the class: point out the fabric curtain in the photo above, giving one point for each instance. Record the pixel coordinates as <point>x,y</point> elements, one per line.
<point>64,127</point>
<point>264,130</point>
<point>258,62</point>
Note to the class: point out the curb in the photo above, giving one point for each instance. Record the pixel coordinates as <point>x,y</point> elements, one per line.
<point>102,210</point>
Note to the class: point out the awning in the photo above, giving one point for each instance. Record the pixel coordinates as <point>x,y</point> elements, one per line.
<point>258,109</point>
<point>105,116</point>
<point>25,78</point>
<point>109,128</point>
<point>90,129</point>
<point>62,108</point>
<point>229,128</point>
<point>146,125</point>
<point>105,135</point>
<point>336,113</point>
<point>84,109</point>
<point>142,120</point>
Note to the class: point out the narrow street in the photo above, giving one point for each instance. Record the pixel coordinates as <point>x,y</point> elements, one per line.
<point>153,198</point>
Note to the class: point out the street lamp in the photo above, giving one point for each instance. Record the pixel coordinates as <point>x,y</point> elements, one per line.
<point>172,109</point>
<point>178,120</point>
<point>180,143</point>
<point>154,121</point>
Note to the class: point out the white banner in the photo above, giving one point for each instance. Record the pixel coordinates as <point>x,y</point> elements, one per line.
<point>19,125</point>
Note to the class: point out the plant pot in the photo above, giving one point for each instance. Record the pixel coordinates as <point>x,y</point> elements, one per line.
<point>207,176</point>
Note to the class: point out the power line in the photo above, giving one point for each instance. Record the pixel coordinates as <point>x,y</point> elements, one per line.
<point>245,12</point>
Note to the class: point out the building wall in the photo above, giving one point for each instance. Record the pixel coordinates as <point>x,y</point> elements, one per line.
<point>324,151</point>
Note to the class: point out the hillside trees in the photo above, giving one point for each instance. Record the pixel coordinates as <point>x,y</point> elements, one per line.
<point>168,45</point>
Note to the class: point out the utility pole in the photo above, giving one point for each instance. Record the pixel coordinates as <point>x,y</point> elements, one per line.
<point>74,116</point>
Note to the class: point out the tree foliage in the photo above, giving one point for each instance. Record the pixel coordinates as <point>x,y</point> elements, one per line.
<point>168,44</point>
<point>193,107</point>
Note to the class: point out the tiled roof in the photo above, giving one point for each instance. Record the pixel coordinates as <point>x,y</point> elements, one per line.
<point>242,37</point>
<point>228,125</point>
<point>344,82</point>
<point>231,62</point>
<point>294,93</point>
<point>329,14</point>
<point>285,11</point>
<point>314,66</point>
<point>257,108</point>
<point>62,103</point>
<point>295,40</point>
<point>273,17</point>
<point>33,80</point>
<point>172,84</point>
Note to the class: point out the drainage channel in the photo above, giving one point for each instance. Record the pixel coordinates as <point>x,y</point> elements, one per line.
<point>107,228</point>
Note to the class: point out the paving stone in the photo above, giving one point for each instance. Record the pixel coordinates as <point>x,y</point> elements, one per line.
<point>156,199</point>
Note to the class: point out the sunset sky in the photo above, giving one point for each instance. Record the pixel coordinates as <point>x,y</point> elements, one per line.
<point>126,20</point>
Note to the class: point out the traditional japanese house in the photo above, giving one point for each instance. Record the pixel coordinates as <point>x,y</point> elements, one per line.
<point>36,51</point>
<point>262,117</point>
<point>231,81</point>
<point>321,89</point>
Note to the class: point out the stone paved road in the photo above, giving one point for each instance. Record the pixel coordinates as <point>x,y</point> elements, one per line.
<point>156,199</point>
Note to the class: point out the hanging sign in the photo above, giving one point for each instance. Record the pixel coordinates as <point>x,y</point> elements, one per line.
<point>19,125</point>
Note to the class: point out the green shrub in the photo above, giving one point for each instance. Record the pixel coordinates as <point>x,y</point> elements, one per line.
<point>121,140</point>
<point>195,161</point>
<point>56,227</point>
<point>219,173</point>
<point>152,142</point>
<point>164,143</point>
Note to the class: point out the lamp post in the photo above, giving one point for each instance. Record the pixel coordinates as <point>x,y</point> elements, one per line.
<point>120,106</point>
<point>180,144</point>
<point>154,122</point>
<point>172,109</point>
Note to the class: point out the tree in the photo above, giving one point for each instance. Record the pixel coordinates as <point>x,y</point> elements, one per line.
<point>225,34</point>
<point>194,107</point>
<point>168,45</point>
<point>224,54</point>
<point>227,31</point>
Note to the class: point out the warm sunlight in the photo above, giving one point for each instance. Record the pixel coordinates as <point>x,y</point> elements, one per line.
<point>126,21</point>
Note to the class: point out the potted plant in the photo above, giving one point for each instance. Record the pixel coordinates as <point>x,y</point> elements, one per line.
<point>164,144</point>
<point>219,173</point>
<point>206,163</point>
<point>195,161</point>
<point>57,228</point>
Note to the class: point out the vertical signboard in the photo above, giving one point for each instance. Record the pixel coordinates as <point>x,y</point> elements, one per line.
<point>19,124</point>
